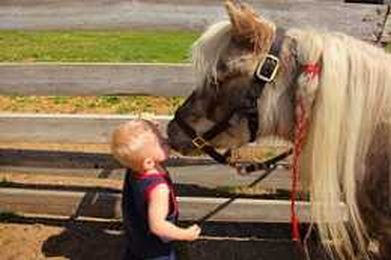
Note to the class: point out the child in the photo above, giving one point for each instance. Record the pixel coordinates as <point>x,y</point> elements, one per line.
<point>149,206</point>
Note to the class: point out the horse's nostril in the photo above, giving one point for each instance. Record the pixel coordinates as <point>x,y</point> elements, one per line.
<point>169,130</point>
<point>176,138</point>
<point>170,142</point>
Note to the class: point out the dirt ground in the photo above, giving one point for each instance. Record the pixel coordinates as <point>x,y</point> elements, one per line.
<point>70,241</point>
<point>38,241</point>
<point>45,238</point>
<point>40,238</point>
<point>74,240</point>
<point>67,239</point>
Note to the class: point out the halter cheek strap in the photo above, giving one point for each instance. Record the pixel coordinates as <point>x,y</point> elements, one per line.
<point>265,73</point>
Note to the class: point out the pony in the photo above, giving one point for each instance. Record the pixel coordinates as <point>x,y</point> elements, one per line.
<point>335,88</point>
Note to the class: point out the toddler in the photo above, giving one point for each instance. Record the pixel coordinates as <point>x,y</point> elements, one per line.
<point>149,205</point>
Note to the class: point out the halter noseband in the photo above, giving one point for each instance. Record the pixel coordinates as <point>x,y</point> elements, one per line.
<point>264,74</point>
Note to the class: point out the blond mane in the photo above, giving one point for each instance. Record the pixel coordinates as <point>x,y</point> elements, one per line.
<point>207,49</point>
<point>352,99</point>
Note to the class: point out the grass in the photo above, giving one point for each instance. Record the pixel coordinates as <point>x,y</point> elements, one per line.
<point>96,46</point>
<point>388,47</point>
<point>92,105</point>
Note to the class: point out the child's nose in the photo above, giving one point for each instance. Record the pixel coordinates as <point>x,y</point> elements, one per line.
<point>156,123</point>
<point>165,142</point>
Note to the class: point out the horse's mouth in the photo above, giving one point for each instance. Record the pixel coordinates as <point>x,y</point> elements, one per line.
<point>179,142</point>
<point>184,148</point>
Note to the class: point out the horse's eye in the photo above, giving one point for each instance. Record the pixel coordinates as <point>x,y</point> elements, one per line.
<point>214,84</point>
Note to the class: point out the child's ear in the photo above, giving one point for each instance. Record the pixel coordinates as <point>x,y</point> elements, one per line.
<point>148,163</point>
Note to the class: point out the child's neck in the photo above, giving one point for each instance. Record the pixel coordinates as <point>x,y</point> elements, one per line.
<point>154,170</point>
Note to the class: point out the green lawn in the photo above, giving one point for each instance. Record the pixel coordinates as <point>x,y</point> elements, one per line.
<point>96,46</point>
<point>93,46</point>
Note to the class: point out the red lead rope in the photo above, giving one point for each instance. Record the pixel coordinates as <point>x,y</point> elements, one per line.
<point>300,131</point>
<point>312,70</point>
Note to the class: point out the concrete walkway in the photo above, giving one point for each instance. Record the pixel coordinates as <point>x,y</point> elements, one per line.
<point>355,19</point>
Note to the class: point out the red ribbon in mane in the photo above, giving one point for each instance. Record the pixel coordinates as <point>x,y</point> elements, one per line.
<point>300,132</point>
<point>312,69</point>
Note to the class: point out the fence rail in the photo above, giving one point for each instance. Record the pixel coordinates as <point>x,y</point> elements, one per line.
<point>187,171</point>
<point>107,205</point>
<point>92,79</point>
<point>60,128</point>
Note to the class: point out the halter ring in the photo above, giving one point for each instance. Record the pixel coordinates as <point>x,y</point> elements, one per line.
<point>199,142</point>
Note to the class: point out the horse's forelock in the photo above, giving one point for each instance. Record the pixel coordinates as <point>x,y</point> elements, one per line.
<point>207,50</point>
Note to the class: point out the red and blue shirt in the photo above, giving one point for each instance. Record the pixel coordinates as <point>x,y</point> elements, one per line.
<point>136,195</point>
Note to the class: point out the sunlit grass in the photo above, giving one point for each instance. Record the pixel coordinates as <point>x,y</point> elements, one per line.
<point>95,46</point>
<point>91,105</point>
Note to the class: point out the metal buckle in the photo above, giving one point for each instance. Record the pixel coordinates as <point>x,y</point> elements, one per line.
<point>199,142</point>
<point>268,78</point>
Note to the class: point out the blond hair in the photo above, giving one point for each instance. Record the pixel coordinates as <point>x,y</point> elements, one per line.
<point>128,141</point>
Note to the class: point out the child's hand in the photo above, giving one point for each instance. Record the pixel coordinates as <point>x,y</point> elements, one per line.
<point>193,232</point>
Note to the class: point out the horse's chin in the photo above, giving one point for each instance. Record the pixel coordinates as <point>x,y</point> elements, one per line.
<point>186,152</point>
<point>184,148</point>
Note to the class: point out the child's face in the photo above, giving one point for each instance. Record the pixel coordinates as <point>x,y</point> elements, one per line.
<point>157,147</point>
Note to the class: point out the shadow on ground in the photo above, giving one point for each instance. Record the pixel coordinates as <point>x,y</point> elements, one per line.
<point>79,242</point>
<point>221,241</point>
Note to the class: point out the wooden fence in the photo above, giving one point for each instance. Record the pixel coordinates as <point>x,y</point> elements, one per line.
<point>96,129</point>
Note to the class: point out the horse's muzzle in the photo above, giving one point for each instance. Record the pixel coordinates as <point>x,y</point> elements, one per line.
<point>178,140</point>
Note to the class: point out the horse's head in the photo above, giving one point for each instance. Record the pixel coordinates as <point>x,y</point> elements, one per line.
<point>230,95</point>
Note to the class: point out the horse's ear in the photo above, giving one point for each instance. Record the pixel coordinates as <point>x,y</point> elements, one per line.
<point>248,26</point>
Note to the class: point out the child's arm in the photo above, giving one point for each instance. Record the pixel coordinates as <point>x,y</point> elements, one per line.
<point>158,210</point>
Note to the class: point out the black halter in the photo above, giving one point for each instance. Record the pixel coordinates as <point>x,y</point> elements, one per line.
<point>264,74</point>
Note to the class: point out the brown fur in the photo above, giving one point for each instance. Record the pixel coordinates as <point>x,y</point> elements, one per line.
<point>249,28</point>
